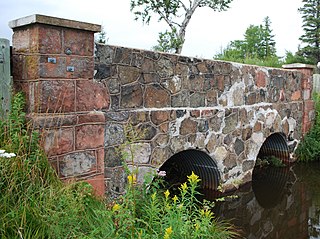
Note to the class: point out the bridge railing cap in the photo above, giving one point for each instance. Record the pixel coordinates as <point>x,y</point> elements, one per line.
<point>54,21</point>
<point>298,66</point>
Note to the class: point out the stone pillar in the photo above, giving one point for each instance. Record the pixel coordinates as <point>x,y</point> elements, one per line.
<point>53,63</point>
<point>306,87</point>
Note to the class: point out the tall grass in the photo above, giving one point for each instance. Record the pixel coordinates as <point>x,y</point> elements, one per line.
<point>309,147</point>
<point>34,203</point>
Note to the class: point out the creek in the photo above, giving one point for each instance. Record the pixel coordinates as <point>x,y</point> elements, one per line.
<point>279,203</point>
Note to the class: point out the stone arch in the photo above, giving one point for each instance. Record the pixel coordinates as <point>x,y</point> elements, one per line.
<point>182,164</point>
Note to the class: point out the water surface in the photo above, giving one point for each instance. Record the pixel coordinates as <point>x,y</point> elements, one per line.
<point>280,203</point>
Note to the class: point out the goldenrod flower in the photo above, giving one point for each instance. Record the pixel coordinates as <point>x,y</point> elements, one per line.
<point>184,187</point>
<point>167,233</point>
<point>197,226</point>
<point>166,194</point>
<point>175,198</point>
<point>116,207</point>
<point>206,213</point>
<point>153,196</point>
<point>193,178</point>
<point>132,179</point>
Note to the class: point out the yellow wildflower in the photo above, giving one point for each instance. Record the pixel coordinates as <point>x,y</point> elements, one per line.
<point>193,178</point>
<point>175,198</point>
<point>116,207</point>
<point>166,194</point>
<point>153,196</point>
<point>206,213</point>
<point>184,187</point>
<point>132,179</point>
<point>197,226</point>
<point>167,233</point>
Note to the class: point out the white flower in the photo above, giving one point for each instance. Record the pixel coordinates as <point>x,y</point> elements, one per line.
<point>6,155</point>
<point>162,173</point>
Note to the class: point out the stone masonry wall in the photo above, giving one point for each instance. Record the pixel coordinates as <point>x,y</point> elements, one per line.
<point>53,64</point>
<point>224,109</point>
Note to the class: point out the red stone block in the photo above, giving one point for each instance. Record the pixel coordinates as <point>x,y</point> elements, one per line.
<point>100,160</point>
<point>98,184</point>
<point>308,105</point>
<point>56,96</point>
<point>91,96</point>
<point>59,141</point>
<point>31,66</point>
<point>296,95</point>
<point>156,97</point>
<point>91,117</point>
<point>78,41</point>
<point>89,136</point>
<point>49,40</point>
<point>195,113</point>
<point>21,40</point>
<point>83,67</point>
<point>30,90</point>
<point>17,67</point>
<point>220,82</point>
<point>49,69</point>
<point>158,117</point>
<point>260,79</point>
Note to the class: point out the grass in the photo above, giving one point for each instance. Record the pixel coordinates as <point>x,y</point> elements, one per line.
<point>34,203</point>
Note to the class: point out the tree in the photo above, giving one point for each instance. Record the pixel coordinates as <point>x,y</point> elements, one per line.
<point>311,27</point>
<point>177,14</point>
<point>268,43</point>
<point>258,44</point>
<point>101,37</point>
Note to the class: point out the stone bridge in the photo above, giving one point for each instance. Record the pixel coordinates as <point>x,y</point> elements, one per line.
<point>211,117</point>
<point>169,112</point>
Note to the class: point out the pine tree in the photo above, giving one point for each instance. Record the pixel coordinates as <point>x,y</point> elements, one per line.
<point>268,43</point>
<point>311,27</point>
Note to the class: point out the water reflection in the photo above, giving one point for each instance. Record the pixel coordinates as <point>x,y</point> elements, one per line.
<point>280,203</point>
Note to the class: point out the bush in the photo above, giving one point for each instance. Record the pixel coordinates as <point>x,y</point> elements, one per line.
<point>309,147</point>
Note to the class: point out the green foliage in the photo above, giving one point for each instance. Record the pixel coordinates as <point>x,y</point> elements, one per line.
<point>270,161</point>
<point>35,204</point>
<point>311,27</point>
<point>309,148</point>
<point>258,46</point>
<point>158,214</point>
<point>168,42</point>
<point>102,37</point>
<point>176,14</point>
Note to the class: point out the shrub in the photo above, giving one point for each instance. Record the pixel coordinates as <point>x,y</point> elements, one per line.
<point>309,147</point>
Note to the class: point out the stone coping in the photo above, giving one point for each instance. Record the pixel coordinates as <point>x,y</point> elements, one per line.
<point>54,21</point>
<point>298,66</point>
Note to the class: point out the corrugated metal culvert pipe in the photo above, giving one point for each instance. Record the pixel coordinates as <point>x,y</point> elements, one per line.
<point>269,183</point>
<point>181,165</point>
<point>275,145</point>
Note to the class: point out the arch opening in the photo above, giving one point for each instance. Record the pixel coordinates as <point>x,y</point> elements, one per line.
<point>275,146</point>
<point>182,164</point>
<point>271,172</point>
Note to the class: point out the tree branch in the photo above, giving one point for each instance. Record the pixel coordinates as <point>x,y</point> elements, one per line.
<point>183,5</point>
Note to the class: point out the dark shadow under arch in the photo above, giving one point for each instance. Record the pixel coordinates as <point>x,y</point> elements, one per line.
<point>269,182</point>
<point>182,164</point>
<point>275,145</point>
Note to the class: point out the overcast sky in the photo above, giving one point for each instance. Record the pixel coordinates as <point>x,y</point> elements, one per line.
<point>207,32</point>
